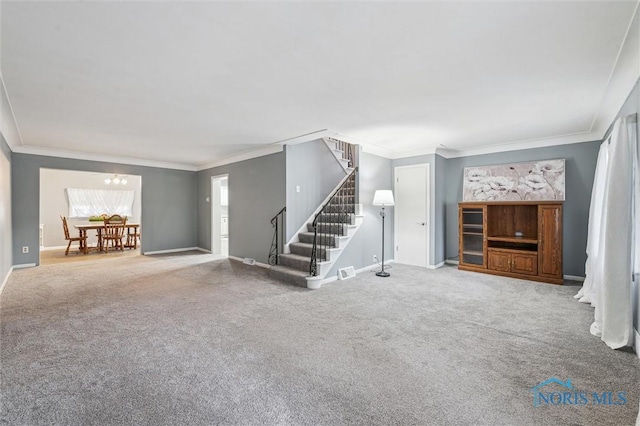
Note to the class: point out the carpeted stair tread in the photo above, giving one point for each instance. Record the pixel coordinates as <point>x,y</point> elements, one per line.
<point>289,275</point>
<point>305,249</point>
<point>336,217</point>
<point>295,261</point>
<point>307,237</point>
<point>308,245</point>
<point>340,208</point>
<point>329,228</point>
<point>294,256</point>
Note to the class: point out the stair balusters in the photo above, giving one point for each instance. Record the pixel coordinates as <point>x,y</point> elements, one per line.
<point>278,236</point>
<point>348,150</point>
<point>332,221</point>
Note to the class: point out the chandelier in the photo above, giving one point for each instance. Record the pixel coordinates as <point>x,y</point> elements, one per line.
<point>116,180</point>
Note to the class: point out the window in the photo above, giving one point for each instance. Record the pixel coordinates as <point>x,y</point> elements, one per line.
<point>94,202</point>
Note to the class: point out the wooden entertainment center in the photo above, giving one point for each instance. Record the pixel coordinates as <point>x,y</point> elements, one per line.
<point>519,239</point>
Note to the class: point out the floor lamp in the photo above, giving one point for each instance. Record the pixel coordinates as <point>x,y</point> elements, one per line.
<point>383,197</point>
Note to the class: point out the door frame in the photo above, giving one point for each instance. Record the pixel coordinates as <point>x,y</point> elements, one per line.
<point>428,231</point>
<point>213,211</point>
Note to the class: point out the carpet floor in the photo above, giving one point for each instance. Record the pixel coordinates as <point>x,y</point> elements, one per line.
<point>51,257</point>
<point>186,340</point>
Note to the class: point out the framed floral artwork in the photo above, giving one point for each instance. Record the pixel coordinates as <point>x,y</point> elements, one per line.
<point>535,181</point>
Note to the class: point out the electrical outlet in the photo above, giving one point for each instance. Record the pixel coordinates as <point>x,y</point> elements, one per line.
<point>25,249</point>
<point>375,258</point>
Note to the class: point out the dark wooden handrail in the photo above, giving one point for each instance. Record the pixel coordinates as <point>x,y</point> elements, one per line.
<point>276,246</point>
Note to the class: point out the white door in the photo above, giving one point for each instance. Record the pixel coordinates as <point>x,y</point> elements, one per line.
<point>220,215</point>
<point>411,215</point>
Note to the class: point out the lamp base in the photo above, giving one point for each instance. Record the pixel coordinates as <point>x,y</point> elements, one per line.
<point>383,274</point>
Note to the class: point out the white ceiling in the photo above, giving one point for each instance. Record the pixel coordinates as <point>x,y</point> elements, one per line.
<point>196,83</point>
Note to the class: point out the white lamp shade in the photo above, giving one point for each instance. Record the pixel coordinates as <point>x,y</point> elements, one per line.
<point>383,197</point>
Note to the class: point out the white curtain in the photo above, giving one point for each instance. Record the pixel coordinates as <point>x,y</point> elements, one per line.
<point>588,290</point>
<point>94,202</point>
<point>613,241</point>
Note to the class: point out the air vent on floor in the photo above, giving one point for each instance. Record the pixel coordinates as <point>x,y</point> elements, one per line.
<point>346,273</point>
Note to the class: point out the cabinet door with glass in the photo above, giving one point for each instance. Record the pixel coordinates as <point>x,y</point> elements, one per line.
<point>472,220</point>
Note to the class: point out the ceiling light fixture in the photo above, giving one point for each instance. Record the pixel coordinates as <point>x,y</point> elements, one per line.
<point>117,180</point>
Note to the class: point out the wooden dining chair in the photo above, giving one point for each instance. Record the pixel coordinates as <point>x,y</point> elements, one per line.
<point>113,232</point>
<point>102,217</point>
<point>82,239</point>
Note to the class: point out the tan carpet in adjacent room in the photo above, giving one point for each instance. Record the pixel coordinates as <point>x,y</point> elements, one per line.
<point>52,257</point>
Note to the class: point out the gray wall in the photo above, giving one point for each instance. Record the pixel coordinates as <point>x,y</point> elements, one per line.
<point>256,194</point>
<point>5,209</point>
<point>440,208</point>
<point>580,169</point>
<point>374,173</point>
<point>313,168</point>
<point>437,167</point>
<point>168,200</point>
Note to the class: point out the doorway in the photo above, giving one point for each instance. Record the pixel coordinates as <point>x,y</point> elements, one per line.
<point>411,215</point>
<point>91,198</point>
<point>220,215</point>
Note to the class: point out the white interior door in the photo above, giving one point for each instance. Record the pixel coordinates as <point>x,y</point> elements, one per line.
<point>411,215</point>
<point>220,215</point>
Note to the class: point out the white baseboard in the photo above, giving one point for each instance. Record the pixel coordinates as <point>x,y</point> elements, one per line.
<point>373,266</point>
<point>377,265</point>
<point>315,283</point>
<point>573,278</point>
<point>6,279</point>
<point>636,343</point>
<point>439,265</point>
<point>53,248</point>
<point>24,265</point>
<point>452,262</point>
<point>368,268</point>
<point>203,250</point>
<point>171,250</point>
<point>260,264</point>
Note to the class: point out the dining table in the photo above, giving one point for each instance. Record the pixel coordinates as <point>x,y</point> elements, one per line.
<point>132,230</point>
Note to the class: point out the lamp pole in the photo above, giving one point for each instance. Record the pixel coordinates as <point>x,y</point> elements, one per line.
<point>382,273</point>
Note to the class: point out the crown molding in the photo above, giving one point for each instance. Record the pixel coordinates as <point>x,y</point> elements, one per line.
<point>8,124</point>
<point>247,155</point>
<point>521,145</point>
<point>307,137</point>
<point>296,140</point>
<point>32,150</point>
<point>624,75</point>
<point>376,150</point>
<point>428,150</point>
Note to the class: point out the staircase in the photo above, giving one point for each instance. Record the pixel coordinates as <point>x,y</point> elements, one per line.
<point>310,255</point>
